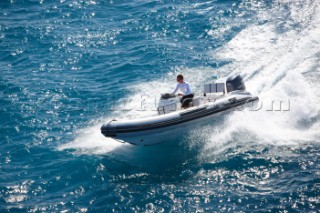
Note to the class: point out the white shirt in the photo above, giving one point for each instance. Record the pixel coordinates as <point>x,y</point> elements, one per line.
<point>184,88</point>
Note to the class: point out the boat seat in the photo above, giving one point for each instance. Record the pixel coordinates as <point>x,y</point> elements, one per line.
<point>195,101</point>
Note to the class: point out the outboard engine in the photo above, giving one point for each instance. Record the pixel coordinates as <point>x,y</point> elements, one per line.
<point>235,83</point>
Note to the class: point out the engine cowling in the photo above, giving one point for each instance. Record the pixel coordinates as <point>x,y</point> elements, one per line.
<point>235,83</point>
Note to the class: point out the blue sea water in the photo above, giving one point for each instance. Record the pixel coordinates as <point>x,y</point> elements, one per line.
<point>68,66</point>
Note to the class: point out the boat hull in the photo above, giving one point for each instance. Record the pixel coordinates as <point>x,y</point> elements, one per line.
<point>158,129</point>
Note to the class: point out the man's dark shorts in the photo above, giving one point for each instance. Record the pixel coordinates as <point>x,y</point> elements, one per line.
<point>186,100</point>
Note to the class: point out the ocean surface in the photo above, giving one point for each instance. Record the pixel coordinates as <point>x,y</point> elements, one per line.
<point>68,66</point>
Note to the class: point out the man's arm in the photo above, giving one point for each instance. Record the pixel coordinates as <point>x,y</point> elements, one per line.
<point>174,92</point>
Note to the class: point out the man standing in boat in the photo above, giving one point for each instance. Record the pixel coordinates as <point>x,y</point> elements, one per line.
<point>186,94</point>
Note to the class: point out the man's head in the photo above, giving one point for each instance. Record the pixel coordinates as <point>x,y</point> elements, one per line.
<point>180,78</point>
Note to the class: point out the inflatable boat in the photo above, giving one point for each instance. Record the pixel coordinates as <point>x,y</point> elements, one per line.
<point>222,95</point>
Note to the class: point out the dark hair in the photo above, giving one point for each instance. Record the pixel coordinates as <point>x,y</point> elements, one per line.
<point>180,77</point>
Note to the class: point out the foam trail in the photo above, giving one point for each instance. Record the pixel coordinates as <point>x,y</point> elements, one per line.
<point>90,141</point>
<point>275,65</point>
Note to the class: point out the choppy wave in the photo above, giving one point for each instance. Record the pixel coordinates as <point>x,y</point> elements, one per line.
<point>61,73</point>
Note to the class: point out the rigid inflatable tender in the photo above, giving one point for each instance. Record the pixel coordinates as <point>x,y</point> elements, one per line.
<point>223,95</point>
